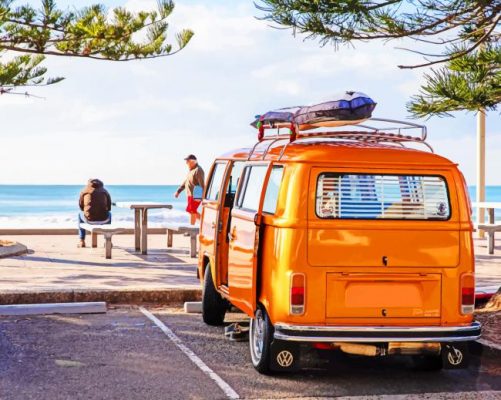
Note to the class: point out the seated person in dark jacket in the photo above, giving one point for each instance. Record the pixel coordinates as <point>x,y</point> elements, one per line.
<point>95,206</point>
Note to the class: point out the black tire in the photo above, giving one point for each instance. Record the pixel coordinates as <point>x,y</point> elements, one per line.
<point>213,305</point>
<point>267,353</point>
<point>428,362</point>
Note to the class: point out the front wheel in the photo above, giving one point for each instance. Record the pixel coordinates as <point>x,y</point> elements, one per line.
<point>269,355</point>
<point>213,305</point>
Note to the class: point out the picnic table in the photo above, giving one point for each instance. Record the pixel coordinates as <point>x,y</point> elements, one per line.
<point>491,227</point>
<point>141,220</point>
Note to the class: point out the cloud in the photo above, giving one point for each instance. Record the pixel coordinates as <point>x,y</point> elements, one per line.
<point>462,150</point>
<point>141,117</point>
<point>217,27</point>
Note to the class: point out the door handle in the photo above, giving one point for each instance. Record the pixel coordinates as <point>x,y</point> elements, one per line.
<point>213,225</point>
<point>232,235</point>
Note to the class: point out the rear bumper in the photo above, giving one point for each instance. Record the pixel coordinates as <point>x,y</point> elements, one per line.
<point>364,334</point>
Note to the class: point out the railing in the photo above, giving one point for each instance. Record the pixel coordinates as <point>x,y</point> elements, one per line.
<point>372,134</point>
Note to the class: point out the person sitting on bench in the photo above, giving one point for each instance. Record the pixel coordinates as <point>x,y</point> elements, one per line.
<point>95,206</point>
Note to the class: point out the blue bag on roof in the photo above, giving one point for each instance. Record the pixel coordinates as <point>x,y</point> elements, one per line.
<point>348,108</point>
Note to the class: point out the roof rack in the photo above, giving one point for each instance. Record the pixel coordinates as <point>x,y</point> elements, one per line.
<point>392,133</point>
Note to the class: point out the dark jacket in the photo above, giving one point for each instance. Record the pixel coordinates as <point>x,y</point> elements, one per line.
<point>95,201</point>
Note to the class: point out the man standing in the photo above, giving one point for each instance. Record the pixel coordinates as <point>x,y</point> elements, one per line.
<point>95,206</point>
<point>194,185</point>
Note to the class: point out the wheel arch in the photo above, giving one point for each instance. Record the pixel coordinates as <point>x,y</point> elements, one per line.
<point>208,260</point>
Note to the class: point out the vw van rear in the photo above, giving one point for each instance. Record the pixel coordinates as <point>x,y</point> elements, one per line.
<point>341,241</point>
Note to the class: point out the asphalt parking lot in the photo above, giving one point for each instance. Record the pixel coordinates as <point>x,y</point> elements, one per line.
<point>124,355</point>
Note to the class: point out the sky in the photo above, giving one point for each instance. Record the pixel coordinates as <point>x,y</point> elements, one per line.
<point>133,122</point>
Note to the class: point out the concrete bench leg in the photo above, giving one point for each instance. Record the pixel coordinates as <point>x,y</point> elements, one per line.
<point>94,240</point>
<point>170,235</point>
<point>491,242</point>
<point>193,243</point>
<point>108,245</point>
<point>137,229</point>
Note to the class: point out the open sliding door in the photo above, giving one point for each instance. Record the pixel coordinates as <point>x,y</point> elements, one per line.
<point>244,237</point>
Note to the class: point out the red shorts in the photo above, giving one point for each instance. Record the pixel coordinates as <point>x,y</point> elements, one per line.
<point>193,205</point>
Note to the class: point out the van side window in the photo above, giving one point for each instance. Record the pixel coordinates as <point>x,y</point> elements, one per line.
<point>271,196</point>
<point>236,172</point>
<point>361,196</point>
<point>252,185</point>
<point>215,182</point>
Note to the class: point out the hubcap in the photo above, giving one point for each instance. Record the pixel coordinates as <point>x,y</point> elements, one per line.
<point>257,337</point>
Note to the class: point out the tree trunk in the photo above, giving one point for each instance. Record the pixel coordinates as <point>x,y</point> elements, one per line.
<point>480,195</point>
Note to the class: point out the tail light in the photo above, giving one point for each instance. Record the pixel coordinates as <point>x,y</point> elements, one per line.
<point>467,293</point>
<point>297,295</point>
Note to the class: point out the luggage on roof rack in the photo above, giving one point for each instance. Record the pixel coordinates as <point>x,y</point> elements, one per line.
<point>349,108</point>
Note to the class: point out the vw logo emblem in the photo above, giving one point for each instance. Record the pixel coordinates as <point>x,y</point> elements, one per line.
<point>454,356</point>
<point>285,358</point>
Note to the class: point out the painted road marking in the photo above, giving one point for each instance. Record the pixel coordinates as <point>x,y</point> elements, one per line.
<point>227,389</point>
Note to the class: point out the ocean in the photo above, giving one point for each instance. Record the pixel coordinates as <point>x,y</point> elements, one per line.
<point>50,206</point>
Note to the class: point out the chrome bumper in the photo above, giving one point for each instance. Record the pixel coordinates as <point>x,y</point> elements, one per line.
<point>364,334</point>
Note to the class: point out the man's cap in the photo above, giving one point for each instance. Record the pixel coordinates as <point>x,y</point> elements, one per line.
<point>190,157</point>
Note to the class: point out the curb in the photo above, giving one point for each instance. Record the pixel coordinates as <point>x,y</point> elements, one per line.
<point>164,296</point>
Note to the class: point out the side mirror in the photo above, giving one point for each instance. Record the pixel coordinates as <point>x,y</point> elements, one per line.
<point>257,219</point>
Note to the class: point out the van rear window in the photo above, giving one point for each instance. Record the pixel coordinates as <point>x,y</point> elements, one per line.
<point>361,196</point>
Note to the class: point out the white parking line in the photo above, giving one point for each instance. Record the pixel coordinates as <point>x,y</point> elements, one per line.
<point>227,389</point>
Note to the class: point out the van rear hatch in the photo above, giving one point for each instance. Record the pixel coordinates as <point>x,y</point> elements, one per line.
<point>382,220</point>
<point>383,295</point>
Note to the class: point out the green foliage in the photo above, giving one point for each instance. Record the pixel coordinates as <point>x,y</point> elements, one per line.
<point>92,32</point>
<point>24,70</point>
<point>468,83</point>
<point>440,23</point>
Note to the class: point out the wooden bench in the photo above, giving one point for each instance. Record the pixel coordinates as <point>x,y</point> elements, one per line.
<point>490,229</point>
<point>188,230</point>
<point>107,230</point>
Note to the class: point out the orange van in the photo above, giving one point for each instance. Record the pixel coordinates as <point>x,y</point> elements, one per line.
<point>347,240</point>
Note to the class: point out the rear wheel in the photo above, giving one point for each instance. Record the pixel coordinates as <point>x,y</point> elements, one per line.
<point>452,356</point>
<point>213,305</point>
<point>269,355</point>
<point>428,362</point>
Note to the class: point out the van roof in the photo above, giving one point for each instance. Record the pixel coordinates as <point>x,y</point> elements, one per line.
<point>322,150</point>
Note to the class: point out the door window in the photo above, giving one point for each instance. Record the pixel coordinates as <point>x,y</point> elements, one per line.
<point>213,192</point>
<point>250,192</point>
<point>271,196</point>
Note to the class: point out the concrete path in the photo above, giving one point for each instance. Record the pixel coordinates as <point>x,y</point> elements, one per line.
<point>488,266</point>
<point>54,263</point>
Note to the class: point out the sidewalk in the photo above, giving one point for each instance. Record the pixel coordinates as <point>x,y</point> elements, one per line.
<point>488,266</point>
<point>56,270</point>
